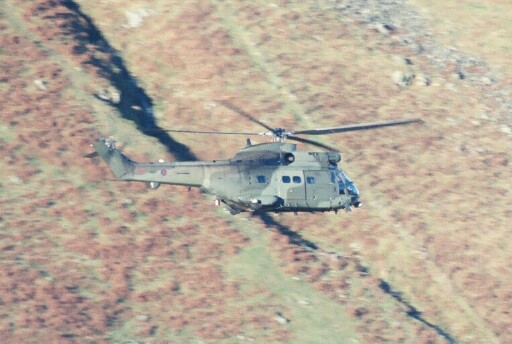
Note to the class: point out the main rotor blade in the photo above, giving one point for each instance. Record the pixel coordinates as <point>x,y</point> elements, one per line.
<point>355,127</point>
<point>244,114</point>
<point>211,132</point>
<point>311,142</point>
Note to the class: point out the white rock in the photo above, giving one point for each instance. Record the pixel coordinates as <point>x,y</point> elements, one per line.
<point>115,96</point>
<point>422,80</point>
<point>383,28</point>
<point>356,246</point>
<point>142,317</point>
<point>400,60</point>
<point>486,81</point>
<point>136,17</point>
<point>506,129</point>
<point>41,84</point>
<point>15,180</point>
<point>281,319</point>
<point>402,79</point>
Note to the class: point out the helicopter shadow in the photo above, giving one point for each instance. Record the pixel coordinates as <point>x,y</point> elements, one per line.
<point>294,237</point>
<point>134,103</point>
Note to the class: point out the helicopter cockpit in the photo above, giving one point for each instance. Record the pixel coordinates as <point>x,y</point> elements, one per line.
<point>345,185</point>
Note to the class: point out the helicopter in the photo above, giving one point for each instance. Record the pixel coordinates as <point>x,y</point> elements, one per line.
<point>265,177</point>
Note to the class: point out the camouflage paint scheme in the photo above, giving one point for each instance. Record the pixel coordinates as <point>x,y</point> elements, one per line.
<point>264,177</point>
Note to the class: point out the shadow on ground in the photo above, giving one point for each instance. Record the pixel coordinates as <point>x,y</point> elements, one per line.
<point>134,103</point>
<point>137,106</point>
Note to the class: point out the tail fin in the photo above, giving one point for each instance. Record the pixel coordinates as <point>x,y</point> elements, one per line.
<point>119,164</point>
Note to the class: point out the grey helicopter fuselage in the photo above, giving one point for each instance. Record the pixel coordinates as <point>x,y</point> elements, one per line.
<point>263,177</point>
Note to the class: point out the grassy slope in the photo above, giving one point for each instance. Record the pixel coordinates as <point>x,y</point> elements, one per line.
<point>249,32</point>
<point>180,281</point>
<point>480,27</point>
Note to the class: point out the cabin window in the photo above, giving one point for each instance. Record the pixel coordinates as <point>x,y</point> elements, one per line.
<point>297,179</point>
<point>261,179</point>
<point>310,180</point>
<point>286,179</point>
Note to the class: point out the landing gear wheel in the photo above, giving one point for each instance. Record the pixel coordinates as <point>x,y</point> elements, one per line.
<point>231,210</point>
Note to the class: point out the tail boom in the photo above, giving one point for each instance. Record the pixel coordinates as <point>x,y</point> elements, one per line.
<point>120,165</point>
<point>175,173</point>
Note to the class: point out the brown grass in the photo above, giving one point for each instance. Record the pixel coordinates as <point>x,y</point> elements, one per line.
<point>87,259</point>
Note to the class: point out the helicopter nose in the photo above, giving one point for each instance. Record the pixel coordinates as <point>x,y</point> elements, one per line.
<point>356,203</point>
<point>353,190</point>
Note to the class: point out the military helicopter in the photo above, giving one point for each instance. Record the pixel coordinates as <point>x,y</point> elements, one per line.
<point>265,177</point>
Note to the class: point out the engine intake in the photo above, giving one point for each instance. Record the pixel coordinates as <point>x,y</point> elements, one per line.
<point>289,158</point>
<point>333,158</point>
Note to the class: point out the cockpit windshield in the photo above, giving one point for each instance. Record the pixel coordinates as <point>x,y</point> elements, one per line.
<point>344,182</point>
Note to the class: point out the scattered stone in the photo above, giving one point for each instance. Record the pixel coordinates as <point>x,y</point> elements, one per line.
<point>115,96</point>
<point>356,246</point>
<point>400,60</point>
<point>41,84</point>
<point>304,302</point>
<point>422,80</point>
<point>136,17</point>
<point>110,94</point>
<point>142,317</point>
<point>209,106</point>
<point>281,319</point>
<point>486,81</point>
<point>383,28</point>
<point>506,129</point>
<point>15,180</point>
<point>402,79</point>
<point>459,75</point>
<point>414,35</point>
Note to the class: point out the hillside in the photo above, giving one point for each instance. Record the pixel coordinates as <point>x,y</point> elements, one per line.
<point>84,259</point>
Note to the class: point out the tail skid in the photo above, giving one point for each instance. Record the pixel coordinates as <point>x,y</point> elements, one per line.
<point>119,164</point>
